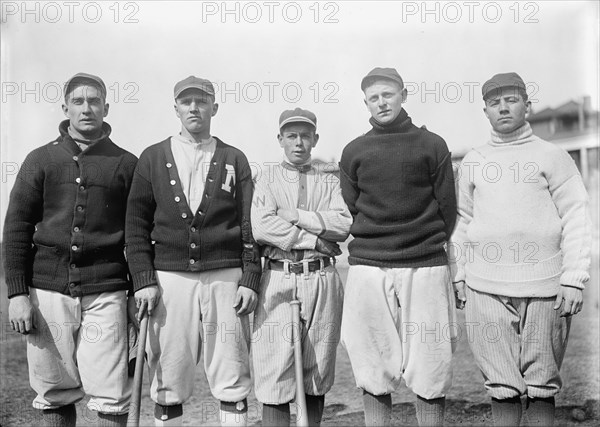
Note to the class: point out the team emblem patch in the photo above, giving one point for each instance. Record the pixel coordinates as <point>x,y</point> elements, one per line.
<point>229,179</point>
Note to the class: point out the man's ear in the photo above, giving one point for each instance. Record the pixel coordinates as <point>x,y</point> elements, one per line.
<point>316,139</point>
<point>404,94</point>
<point>65,109</point>
<point>215,109</point>
<point>280,139</point>
<point>106,106</point>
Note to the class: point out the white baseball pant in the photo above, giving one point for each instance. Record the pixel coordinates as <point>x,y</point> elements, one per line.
<point>400,322</point>
<point>195,312</point>
<point>79,347</point>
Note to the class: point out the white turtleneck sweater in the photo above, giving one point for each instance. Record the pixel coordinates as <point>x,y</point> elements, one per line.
<point>523,228</point>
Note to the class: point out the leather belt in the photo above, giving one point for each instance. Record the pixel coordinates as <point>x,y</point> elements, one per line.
<point>297,267</point>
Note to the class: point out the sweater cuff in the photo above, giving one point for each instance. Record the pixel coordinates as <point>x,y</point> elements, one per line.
<point>576,279</point>
<point>17,286</point>
<point>250,280</point>
<point>143,279</point>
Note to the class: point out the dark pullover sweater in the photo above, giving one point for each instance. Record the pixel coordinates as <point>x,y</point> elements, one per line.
<point>162,233</point>
<point>398,183</point>
<point>64,228</point>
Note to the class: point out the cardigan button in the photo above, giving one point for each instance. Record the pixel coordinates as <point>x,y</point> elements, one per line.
<point>184,215</point>
<point>210,180</point>
<point>177,199</point>
<point>79,208</point>
<point>75,158</point>
<point>173,182</point>
<point>74,247</point>
<point>193,245</point>
<point>169,165</point>
<point>78,180</point>
<point>72,285</point>
<point>73,266</point>
<point>193,229</point>
<point>192,261</point>
<point>76,229</point>
<point>200,213</point>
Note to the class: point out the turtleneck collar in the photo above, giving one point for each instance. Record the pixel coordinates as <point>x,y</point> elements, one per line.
<point>65,131</point>
<point>518,136</point>
<point>402,123</point>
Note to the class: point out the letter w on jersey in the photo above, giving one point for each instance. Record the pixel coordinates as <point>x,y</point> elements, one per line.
<point>229,183</point>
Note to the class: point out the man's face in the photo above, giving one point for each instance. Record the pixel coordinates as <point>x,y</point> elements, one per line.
<point>507,111</point>
<point>195,109</point>
<point>384,100</point>
<point>86,108</point>
<point>297,141</point>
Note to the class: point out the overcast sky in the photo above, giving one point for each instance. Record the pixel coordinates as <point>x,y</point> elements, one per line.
<point>265,57</point>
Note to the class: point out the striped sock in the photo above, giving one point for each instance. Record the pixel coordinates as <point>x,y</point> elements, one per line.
<point>168,415</point>
<point>378,409</point>
<point>315,405</point>
<point>507,412</point>
<point>430,412</point>
<point>65,416</point>
<point>540,412</point>
<point>112,420</point>
<point>276,415</point>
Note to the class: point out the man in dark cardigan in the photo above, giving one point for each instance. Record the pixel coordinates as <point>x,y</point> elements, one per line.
<point>65,268</point>
<point>193,260</point>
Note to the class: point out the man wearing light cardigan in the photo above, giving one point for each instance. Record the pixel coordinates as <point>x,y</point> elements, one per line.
<point>522,247</point>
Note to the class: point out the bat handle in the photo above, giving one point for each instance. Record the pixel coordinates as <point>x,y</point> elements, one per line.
<point>133,419</point>
<point>302,412</point>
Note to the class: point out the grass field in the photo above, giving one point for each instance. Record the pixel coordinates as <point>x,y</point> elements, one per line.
<point>467,402</point>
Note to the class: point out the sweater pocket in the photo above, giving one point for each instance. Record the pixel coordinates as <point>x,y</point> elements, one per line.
<point>46,260</point>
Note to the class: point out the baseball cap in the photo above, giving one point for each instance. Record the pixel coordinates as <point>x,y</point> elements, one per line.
<point>81,78</point>
<point>381,73</point>
<point>297,115</point>
<point>196,83</point>
<point>501,81</point>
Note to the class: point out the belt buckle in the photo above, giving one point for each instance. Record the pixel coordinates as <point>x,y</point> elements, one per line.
<point>321,267</point>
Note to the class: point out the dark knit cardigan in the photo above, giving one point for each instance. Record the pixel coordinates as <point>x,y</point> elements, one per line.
<point>398,183</point>
<point>64,228</point>
<point>162,233</point>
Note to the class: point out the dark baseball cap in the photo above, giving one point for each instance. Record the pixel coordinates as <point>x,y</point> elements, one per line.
<point>297,115</point>
<point>193,82</point>
<point>494,86</point>
<point>82,79</point>
<point>379,73</point>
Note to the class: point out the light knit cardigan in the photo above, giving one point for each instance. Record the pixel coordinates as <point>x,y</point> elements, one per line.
<point>524,227</point>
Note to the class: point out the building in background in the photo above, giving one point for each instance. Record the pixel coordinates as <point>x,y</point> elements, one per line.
<point>574,127</point>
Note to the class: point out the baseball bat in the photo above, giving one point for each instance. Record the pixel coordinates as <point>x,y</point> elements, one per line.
<point>302,412</point>
<point>133,419</point>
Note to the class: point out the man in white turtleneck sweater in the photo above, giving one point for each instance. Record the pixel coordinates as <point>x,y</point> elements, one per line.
<point>522,247</point>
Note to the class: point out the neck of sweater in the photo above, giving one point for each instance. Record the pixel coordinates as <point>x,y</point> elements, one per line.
<point>518,136</point>
<point>400,124</point>
<point>66,130</point>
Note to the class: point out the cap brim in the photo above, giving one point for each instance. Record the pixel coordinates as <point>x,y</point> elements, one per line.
<point>201,89</point>
<point>297,119</point>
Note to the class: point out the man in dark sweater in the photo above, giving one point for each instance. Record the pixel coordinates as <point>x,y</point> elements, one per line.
<point>194,263</point>
<point>398,314</point>
<point>65,268</point>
